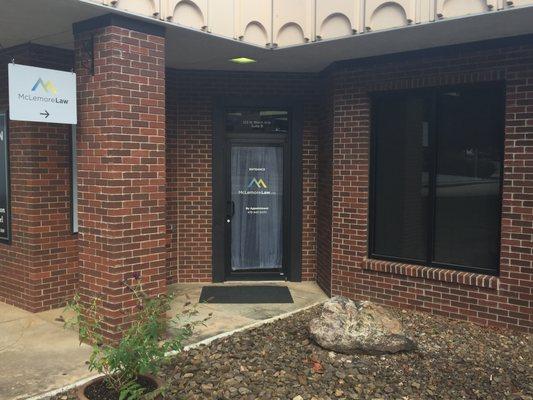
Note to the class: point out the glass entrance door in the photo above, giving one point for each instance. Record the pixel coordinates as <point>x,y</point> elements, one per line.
<point>255,208</point>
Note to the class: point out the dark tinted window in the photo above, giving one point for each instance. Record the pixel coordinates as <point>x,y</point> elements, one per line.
<point>467,204</point>
<point>437,163</point>
<point>401,178</point>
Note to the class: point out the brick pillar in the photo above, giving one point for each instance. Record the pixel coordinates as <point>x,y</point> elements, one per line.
<point>121,163</point>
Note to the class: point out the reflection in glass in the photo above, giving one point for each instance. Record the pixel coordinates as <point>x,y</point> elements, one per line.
<point>436,177</point>
<point>401,178</point>
<point>468,178</point>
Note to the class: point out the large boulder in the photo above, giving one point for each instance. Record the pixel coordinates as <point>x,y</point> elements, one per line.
<point>351,327</point>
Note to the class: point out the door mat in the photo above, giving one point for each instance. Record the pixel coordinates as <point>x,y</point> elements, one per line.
<point>245,294</point>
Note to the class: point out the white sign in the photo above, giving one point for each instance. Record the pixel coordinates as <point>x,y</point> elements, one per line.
<point>42,95</point>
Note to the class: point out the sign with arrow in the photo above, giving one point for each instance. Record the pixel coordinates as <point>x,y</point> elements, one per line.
<point>42,95</point>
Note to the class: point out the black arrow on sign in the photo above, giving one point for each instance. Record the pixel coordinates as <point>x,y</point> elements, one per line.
<point>45,113</point>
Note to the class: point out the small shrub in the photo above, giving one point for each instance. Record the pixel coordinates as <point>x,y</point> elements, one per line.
<point>142,348</point>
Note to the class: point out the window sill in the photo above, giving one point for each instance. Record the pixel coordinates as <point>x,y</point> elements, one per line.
<point>436,274</point>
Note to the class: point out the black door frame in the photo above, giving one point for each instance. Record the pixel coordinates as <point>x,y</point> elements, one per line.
<point>292,221</point>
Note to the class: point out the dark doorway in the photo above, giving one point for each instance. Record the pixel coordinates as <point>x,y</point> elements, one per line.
<point>257,193</point>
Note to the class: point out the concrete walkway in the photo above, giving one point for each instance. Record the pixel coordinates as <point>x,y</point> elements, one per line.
<point>227,317</point>
<point>37,355</point>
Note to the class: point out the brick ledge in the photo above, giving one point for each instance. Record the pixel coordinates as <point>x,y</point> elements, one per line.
<point>436,274</point>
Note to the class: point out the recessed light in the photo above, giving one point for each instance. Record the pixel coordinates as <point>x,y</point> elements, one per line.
<point>243,60</point>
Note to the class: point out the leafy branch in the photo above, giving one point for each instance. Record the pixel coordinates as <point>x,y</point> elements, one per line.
<point>141,349</point>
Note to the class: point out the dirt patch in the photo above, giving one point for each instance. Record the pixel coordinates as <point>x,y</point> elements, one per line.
<point>100,391</point>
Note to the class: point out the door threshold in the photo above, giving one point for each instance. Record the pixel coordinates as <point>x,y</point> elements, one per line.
<point>256,278</point>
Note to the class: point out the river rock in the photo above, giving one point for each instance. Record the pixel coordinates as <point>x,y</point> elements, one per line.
<point>349,327</point>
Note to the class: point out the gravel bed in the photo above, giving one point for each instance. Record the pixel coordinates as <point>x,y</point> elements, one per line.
<point>454,360</point>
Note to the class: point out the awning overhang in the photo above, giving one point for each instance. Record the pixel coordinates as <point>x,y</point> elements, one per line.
<point>49,22</point>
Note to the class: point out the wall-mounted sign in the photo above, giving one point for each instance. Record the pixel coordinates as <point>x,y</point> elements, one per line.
<point>4,182</point>
<point>42,95</point>
<point>257,121</point>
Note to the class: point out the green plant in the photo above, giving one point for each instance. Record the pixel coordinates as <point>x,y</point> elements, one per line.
<point>141,349</point>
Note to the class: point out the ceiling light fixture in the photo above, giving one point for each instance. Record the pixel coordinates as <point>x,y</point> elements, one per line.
<point>243,60</point>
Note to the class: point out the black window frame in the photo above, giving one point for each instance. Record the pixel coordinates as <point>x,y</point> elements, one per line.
<point>7,240</point>
<point>431,92</point>
<point>74,221</point>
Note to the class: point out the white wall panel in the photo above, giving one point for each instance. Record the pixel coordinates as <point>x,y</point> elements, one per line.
<point>519,3</point>
<point>336,18</point>
<point>255,21</point>
<point>457,8</point>
<point>143,7</point>
<point>188,12</point>
<point>381,14</point>
<point>221,17</point>
<point>293,21</point>
<point>289,22</point>
<point>425,11</point>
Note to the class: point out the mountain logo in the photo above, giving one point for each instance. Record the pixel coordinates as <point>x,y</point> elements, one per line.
<point>48,86</point>
<point>259,183</point>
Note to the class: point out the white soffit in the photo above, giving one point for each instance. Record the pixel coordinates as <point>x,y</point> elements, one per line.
<point>49,22</point>
<point>46,22</point>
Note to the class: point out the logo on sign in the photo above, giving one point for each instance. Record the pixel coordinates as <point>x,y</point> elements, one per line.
<point>41,95</point>
<point>48,86</point>
<point>260,184</point>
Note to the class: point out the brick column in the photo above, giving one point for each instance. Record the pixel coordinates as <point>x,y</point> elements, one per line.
<point>121,163</point>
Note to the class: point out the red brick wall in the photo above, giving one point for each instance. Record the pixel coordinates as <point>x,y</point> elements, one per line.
<point>39,269</point>
<point>505,301</point>
<point>189,152</point>
<point>171,148</point>
<point>145,203</point>
<point>121,170</point>
<point>324,189</point>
